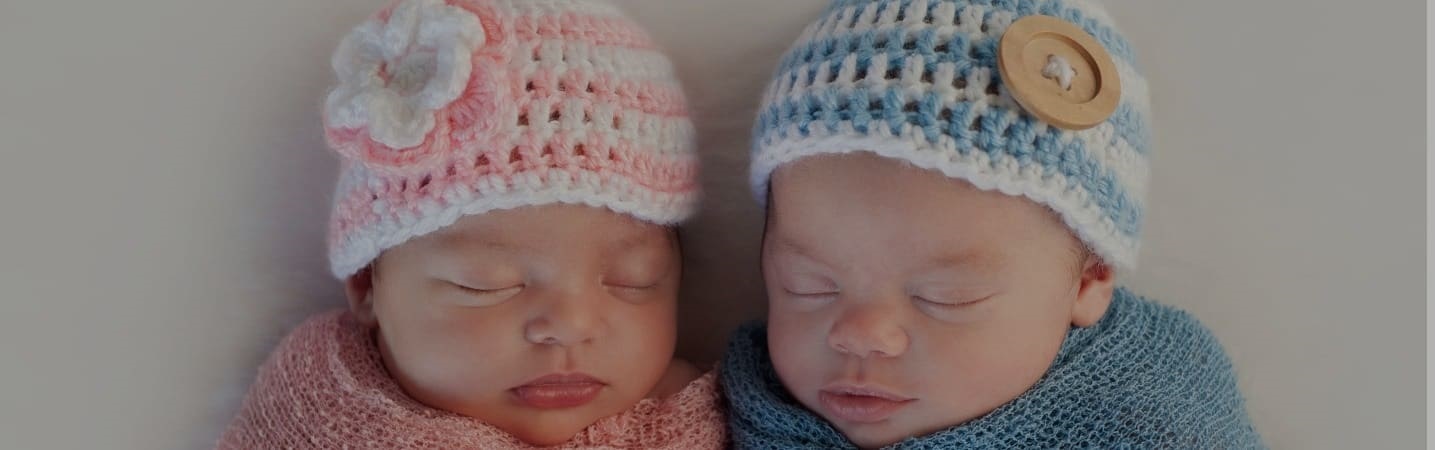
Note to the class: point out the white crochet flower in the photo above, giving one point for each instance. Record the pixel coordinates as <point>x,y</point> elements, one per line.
<point>394,75</point>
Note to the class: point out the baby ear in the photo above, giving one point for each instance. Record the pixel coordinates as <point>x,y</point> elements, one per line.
<point>1098,281</point>
<point>359,287</point>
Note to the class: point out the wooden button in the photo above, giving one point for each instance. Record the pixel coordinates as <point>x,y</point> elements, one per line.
<point>1058,72</point>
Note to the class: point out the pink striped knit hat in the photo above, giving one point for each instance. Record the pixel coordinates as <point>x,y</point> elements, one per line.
<point>446,108</point>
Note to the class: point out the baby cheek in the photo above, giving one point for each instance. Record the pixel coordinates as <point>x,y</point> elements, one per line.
<point>462,352</point>
<point>996,367</point>
<point>642,340</point>
<point>799,351</point>
<point>651,327</point>
<point>441,368</point>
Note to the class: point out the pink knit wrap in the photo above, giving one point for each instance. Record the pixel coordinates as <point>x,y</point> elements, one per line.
<point>326,387</point>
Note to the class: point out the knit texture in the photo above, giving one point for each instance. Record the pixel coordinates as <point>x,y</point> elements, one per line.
<point>446,108</point>
<point>326,387</point>
<point>918,80</point>
<point>1145,377</point>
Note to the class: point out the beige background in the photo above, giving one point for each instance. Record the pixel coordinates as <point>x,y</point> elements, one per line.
<point>165,187</point>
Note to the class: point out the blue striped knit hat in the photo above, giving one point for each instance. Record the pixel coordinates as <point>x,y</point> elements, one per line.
<point>918,80</point>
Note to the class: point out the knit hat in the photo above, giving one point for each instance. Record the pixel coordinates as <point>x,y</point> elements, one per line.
<point>922,81</point>
<point>447,108</point>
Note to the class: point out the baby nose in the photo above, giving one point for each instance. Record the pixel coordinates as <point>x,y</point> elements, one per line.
<point>868,332</point>
<point>566,321</point>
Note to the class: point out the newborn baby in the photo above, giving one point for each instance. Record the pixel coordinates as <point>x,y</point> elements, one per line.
<point>504,226</point>
<point>952,187</point>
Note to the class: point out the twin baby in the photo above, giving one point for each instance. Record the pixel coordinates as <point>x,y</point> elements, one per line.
<point>951,189</point>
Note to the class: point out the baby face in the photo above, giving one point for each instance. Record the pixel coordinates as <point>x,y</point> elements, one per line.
<point>538,320</point>
<point>903,302</point>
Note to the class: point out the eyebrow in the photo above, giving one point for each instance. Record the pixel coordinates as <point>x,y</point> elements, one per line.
<point>794,247</point>
<point>616,247</point>
<point>965,259</point>
<point>957,260</point>
<point>456,242</point>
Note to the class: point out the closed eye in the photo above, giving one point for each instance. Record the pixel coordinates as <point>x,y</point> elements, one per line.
<point>634,292</point>
<point>946,304</point>
<point>482,296</point>
<point>635,286</point>
<point>485,291</point>
<point>630,289</point>
<point>810,294</point>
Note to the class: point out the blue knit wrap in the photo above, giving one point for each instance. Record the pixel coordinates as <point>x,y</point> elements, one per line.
<point>1146,376</point>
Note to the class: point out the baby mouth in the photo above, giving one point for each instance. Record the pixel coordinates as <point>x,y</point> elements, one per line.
<point>559,391</point>
<point>862,404</point>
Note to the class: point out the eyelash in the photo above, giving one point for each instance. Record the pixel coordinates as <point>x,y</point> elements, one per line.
<point>944,305</point>
<point>478,291</point>
<point>937,304</point>
<point>633,288</point>
<point>810,296</point>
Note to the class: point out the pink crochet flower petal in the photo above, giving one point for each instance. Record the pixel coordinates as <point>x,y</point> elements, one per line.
<point>474,113</point>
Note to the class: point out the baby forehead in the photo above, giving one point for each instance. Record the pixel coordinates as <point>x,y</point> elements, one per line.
<point>547,227</point>
<point>916,252</point>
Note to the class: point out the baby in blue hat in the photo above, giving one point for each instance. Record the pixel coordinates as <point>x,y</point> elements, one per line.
<point>953,187</point>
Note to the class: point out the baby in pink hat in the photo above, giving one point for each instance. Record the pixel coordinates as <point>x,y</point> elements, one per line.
<point>512,173</point>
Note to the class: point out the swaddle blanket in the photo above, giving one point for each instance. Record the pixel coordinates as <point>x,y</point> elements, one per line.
<point>326,387</point>
<point>1145,377</point>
